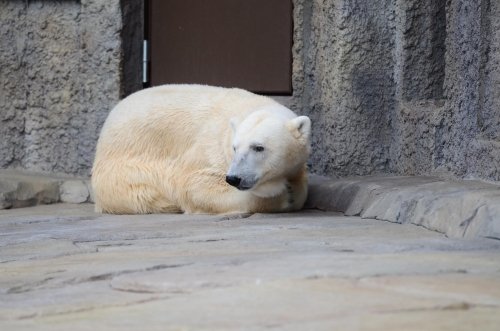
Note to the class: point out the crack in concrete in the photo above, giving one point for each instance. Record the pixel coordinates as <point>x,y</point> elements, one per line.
<point>415,224</point>
<point>207,240</point>
<point>461,305</point>
<point>76,242</point>
<point>115,245</point>
<point>467,222</point>
<point>92,308</point>
<point>110,275</point>
<point>28,287</point>
<point>51,256</point>
<point>69,219</point>
<point>381,275</point>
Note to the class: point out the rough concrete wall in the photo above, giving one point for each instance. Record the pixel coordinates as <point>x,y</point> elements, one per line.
<point>419,71</point>
<point>343,81</point>
<point>12,76</point>
<point>489,115</point>
<point>484,151</point>
<point>61,74</point>
<point>462,125</point>
<point>400,86</point>
<point>419,54</point>
<point>392,86</point>
<point>463,60</point>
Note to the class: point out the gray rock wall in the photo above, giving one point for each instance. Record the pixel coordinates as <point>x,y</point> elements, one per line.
<point>61,73</point>
<point>400,86</point>
<point>462,125</point>
<point>343,79</point>
<point>483,152</point>
<point>408,87</point>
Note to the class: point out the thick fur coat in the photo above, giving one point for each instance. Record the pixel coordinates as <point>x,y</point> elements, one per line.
<point>200,149</point>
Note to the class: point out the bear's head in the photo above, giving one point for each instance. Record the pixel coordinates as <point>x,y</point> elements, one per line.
<point>268,148</point>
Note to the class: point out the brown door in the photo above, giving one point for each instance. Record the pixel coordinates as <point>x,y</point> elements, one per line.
<point>231,43</point>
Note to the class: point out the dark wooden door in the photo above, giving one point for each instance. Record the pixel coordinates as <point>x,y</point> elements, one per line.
<point>231,43</point>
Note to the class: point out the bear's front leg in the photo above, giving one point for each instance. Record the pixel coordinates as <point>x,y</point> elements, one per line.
<point>297,191</point>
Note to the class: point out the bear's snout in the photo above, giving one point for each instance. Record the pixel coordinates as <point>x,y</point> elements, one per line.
<point>233,180</point>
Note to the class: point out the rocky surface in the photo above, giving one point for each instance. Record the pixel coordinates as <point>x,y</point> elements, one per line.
<point>343,80</point>
<point>384,95</point>
<point>61,75</point>
<point>75,191</point>
<point>461,209</point>
<point>24,189</point>
<point>65,267</point>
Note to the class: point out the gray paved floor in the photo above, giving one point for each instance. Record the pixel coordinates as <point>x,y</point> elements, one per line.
<point>62,267</point>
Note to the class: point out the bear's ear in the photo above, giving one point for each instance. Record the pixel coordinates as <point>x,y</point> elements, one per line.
<point>300,127</point>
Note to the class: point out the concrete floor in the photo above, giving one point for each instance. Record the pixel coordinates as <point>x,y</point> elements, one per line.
<point>62,267</point>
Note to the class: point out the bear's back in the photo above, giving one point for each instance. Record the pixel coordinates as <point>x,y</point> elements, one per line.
<point>168,120</point>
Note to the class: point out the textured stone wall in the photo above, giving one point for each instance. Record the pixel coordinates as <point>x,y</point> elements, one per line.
<point>61,73</point>
<point>400,86</point>
<point>393,86</point>
<point>343,80</point>
<point>483,93</point>
<point>462,124</point>
<point>419,74</point>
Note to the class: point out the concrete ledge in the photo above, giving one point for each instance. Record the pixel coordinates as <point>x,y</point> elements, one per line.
<point>460,209</point>
<point>464,209</point>
<point>24,189</point>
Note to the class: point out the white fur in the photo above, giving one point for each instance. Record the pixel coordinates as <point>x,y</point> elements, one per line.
<point>170,148</point>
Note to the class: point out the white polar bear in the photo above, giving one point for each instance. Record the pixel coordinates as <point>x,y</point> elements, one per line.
<point>200,149</point>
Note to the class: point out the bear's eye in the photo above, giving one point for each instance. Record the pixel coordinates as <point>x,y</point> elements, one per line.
<point>257,148</point>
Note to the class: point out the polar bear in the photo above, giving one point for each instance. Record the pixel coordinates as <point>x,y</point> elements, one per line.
<point>200,149</point>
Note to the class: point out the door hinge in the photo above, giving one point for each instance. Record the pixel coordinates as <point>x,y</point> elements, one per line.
<point>145,62</point>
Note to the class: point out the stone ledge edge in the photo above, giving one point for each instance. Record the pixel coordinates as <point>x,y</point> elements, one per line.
<point>23,189</point>
<point>459,209</point>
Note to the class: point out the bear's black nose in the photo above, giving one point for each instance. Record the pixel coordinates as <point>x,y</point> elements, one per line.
<point>233,180</point>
